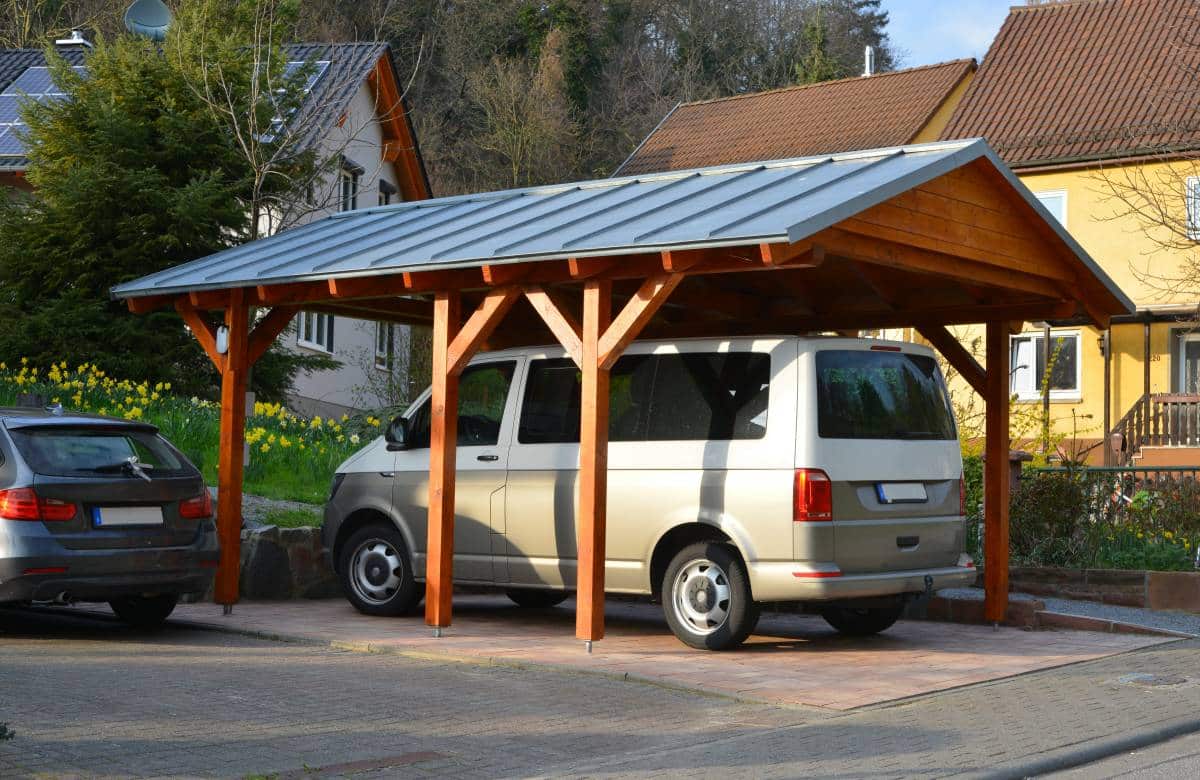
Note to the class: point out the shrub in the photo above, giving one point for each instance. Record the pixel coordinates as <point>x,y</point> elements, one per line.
<point>1047,519</point>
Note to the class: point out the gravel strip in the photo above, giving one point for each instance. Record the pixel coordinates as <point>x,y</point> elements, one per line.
<point>1170,621</point>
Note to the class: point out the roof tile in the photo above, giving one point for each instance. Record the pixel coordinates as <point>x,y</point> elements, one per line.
<point>887,109</point>
<point>1085,80</point>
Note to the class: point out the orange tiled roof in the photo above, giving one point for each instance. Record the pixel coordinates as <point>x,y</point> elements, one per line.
<point>887,109</point>
<point>1070,82</point>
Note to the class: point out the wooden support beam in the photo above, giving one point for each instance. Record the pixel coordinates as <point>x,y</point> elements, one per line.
<point>680,261</point>
<point>481,324</point>
<point>504,275</point>
<point>208,300</point>
<point>891,254</point>
<point>443,443</point>
<point>267,330</point>
<point>560,322</point>
<point>292,293</point>
<point>956,355</point>
<point>996,474</point>
<point>802,254</point>
<point>230,457</point>
<point>203,330</point>
<point>149,303</point>
<point>593,464</point>
<point>585,268</point>
<point>634,316</point>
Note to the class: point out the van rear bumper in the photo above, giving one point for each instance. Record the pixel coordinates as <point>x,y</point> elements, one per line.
<point>785,581</point>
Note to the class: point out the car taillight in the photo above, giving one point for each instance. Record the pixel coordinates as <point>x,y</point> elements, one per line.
<point>25,504</point>
<point>198,508</point>
<point>812,496</point>
<point>962,497</point>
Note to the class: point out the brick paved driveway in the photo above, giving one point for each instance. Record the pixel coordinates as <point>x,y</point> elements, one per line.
<point>90,697</point>
<point>791,659</point>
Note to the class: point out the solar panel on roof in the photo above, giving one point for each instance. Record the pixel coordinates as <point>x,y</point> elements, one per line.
<point>318,71</point>
<point>35,83</point>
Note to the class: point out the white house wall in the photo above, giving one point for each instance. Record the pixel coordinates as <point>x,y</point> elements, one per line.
<point>349,388</point>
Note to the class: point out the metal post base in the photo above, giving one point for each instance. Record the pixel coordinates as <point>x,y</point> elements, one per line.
<point>995,626</point>
<point>437,632</point>
<point>587,645</point>
<point>227,610</point>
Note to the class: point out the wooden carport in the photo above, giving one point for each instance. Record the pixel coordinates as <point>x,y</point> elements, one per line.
<point>923,236</point>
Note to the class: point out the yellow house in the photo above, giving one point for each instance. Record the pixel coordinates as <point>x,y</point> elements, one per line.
<point>1093,104</point>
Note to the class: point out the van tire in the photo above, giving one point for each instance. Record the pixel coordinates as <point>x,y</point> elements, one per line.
<point>376,572</point>
<point>536,598</point>
<point>707,582</point>
<point>145,611</point>
<point>865,621</point>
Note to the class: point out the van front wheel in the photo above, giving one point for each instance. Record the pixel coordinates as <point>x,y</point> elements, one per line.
<point>866,621</point>
<point>707,599</point>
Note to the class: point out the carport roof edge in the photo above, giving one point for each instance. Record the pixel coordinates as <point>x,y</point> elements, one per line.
<point>723,206</point>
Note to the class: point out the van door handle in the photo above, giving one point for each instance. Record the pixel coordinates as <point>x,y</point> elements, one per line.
<point>907,542</point>
<point>487,458</point>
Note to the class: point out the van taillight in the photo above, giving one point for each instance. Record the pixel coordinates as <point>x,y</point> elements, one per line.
<point>812,496</point>
<point>962,496</point>
<point>198,508</point>
<point>24,504</point>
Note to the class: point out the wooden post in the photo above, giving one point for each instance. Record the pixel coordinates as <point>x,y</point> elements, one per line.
<point>443,443</point>
<point>996,475</point>
<point>593,464</point>
<point>230,457</point>
<point>1106,336</point>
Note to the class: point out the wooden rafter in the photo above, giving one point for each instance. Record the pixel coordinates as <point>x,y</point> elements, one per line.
<point>956,355</point>
<point>267,330</point>
<point>204,331</point>
<point>481,324</point>
<point>637,312</point>
<point>560,322</point>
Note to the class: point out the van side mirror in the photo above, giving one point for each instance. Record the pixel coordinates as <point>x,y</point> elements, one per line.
<point>397,435</point>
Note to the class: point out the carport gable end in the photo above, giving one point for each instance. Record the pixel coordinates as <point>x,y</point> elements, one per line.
<point>927,236</point>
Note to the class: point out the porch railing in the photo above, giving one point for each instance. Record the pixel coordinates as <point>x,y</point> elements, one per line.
<point>1159,420</point>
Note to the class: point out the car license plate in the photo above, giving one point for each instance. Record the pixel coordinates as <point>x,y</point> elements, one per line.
<point>901,492</point>
<point>118,516</point>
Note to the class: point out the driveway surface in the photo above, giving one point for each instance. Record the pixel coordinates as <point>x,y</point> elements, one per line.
<point>791,659</point>
<point>89,697</point>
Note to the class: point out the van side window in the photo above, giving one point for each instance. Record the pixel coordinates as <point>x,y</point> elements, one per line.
<point>692,397</point>
<point>482,392</point>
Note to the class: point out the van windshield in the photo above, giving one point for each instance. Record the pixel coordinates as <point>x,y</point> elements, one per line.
<point>881,395</point>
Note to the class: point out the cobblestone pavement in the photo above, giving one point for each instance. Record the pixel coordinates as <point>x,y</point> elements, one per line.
<point>1168,760</point>
<point>88,697</point>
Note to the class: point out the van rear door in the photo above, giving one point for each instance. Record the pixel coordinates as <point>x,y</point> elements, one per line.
<point>885,435</point>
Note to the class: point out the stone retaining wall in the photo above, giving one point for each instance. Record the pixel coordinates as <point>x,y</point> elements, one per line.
<point>1167,590</point>
<point>284,563</point>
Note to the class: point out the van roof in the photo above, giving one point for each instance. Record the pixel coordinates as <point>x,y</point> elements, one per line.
<point>907,346</point>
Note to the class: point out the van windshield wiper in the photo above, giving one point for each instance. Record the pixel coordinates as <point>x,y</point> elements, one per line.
<point>132,465</point>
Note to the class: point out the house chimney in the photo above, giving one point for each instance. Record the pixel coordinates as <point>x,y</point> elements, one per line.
<point>869,61</point>
<point>76,39</point>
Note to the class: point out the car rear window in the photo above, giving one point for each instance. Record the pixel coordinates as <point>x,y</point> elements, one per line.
<point>881,395</point>
<point>74,452</point>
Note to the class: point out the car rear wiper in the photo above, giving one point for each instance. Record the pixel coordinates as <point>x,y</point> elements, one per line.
<point>130,464</point>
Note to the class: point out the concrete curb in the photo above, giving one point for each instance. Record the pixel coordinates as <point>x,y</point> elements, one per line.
<point>1050,619</point>
<point>1093,750</point>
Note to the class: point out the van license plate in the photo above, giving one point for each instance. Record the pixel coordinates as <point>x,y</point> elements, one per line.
<point>116,516</point>
<point>901,492</point>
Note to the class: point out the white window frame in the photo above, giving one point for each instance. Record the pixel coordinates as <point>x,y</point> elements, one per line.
<point>1043,195</point>
<point>1191,198</point>
<point>385,358</point>
<point>1029,390</point>
<point>320,336</point>
<point>349,185</point>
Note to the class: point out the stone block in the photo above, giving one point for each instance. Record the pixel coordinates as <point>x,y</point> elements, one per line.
<point>1116,578</point>
<point>1173,590</point>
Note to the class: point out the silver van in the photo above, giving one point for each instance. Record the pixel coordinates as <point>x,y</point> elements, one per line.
<point>742,471</point>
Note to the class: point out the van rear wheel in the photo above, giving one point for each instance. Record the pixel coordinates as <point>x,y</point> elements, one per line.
<point>864,621</point>
<point>707,599</point>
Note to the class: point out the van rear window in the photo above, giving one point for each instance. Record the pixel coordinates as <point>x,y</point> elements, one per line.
<point>881,395</point>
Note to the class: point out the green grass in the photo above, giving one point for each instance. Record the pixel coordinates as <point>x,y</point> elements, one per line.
<point>292,518</point>
<point>291,457</point>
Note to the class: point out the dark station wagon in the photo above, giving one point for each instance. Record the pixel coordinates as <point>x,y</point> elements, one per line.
<point>95,509</point>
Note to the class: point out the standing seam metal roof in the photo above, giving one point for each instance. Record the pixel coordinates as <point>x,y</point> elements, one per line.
<point>784,200</point>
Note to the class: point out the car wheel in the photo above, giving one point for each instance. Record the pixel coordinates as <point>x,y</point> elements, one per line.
<point>707,599</point>
<point>864,621</point>
<point>376,572</point>
<point>144,611</point>
<point>536,598</point>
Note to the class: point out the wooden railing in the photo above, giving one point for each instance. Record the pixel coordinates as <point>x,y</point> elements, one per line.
<point>1159,420</point>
